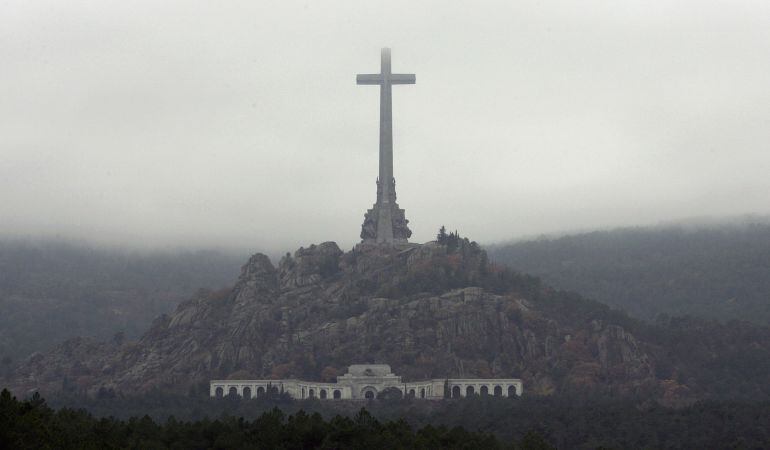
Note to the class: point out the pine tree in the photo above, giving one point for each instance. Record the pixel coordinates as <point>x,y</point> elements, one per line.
<point>441,238</point>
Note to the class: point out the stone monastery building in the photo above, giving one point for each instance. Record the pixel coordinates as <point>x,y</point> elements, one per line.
<point>365,381</point>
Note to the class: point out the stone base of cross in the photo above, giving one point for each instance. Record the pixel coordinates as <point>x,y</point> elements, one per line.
<point>385,223</point>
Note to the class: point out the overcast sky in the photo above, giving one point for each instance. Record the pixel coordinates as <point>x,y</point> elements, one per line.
<point>239,123</point>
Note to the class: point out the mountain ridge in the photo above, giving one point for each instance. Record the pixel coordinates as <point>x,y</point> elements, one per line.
<point>430,311</point>
<point>713,272</point>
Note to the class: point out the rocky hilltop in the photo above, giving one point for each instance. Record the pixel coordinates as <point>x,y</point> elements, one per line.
<point>430,311</point>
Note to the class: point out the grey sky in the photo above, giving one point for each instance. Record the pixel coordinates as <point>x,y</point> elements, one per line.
<point>240,123</point>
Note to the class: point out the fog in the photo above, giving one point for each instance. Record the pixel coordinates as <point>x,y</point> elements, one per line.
<point>240,123</point>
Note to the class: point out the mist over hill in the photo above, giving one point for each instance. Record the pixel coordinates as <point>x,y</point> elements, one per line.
<point>431,310</point>
<point>53,290</point>
<point>593,375</point>
<point>717,270</point>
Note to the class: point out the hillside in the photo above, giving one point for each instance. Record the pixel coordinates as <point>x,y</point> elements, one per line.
<point>433,310</point>
<point>53,290</point>
<point>718,272</point>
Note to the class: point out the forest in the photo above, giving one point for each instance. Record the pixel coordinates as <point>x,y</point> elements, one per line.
<point>726,362</point>
<point>33,424</point>
<point>52,290</point>
<point>587,420</point>
<point>717,271</point>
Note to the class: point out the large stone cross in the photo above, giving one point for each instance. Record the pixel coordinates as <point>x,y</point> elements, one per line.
<point>385,80</point>
<point>389,224</point>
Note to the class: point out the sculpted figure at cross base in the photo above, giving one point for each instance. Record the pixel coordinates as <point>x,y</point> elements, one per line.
<point>385,222</point>
<point>369,227</point>
<point>401,231</point>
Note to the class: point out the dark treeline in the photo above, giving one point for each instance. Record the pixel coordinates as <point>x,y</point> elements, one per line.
<point>588,420</point>
<point>54,290</point>
<point>32,424</point>
<point>712,272</point>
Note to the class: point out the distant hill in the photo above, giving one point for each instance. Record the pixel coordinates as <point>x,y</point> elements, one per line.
<point>433,310</point>
<point>715,271</point>
<point>54,290</point>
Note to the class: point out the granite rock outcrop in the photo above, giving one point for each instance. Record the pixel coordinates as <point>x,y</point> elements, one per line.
<point>427,310</point>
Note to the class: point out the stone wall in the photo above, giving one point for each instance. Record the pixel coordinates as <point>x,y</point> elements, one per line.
<point>357,388</point>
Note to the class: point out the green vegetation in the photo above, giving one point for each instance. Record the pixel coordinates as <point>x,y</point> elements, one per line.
<point>51,291</point>
<point>589,420</point>
<point>725,361</point>
<point>717,272</point>
<point>463,264</point>
<point>32,424</point>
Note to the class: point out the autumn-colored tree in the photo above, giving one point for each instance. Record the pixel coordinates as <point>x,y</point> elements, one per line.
<point>454,261</point>
<point>481,369</point>
<point>329,374</point>
<point>281,371</point>
<point>241,374</point>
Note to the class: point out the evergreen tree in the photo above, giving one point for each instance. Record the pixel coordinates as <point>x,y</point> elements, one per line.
<point>441,238</point>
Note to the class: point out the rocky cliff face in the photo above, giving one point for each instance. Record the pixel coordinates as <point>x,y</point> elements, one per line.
<point>427,310</point>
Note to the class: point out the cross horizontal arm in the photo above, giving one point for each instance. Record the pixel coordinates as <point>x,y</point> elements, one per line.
<point>376,78</point>
<point>402,78</point>
<point>373,78</point>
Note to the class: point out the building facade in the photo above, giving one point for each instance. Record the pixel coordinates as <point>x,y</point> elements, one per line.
<point>366,381</point>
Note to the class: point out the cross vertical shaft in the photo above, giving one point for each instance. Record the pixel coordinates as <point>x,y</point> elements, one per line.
<point>386,127</point>
<point>385,222</point>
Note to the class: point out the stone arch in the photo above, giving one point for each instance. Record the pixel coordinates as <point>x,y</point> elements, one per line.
<point>369,392</point>
<point>484,390</point>
<point>219,392</point>
<point>422,393</point>
<point>322,393</point>
<point>470,391</point>
<point>412,393</point>
<point>247,392</point>
<point>274,390</point>
<point>337,394</point>
<point>511,391</point>
<point>456,392</point>
<point>390,393</point>
<point>260,392</point>
<point>498,391</point>
<point>303,393</point>
<point>311,393</point>
<point>233,391</point>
